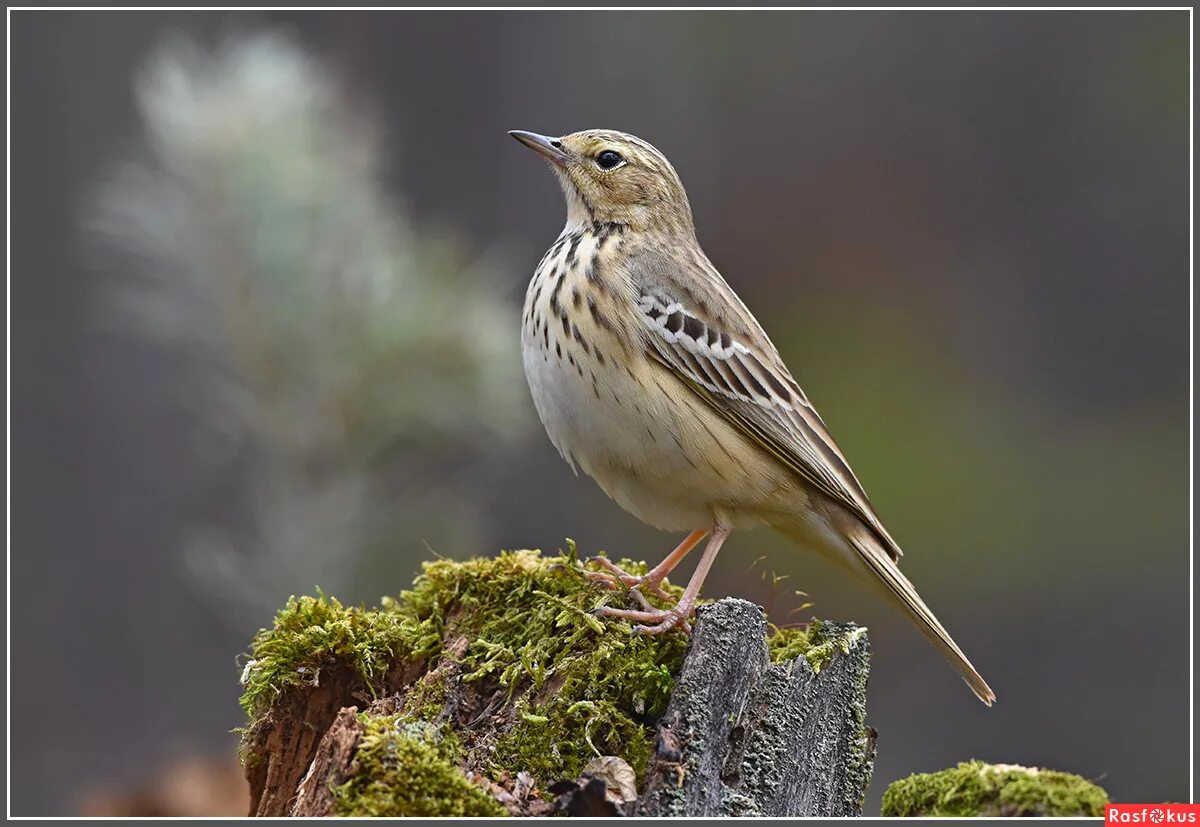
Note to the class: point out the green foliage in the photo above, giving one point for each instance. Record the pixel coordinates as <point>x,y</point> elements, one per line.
<point>407,768</point>
<point>977,789</point>
<point>334,356</point>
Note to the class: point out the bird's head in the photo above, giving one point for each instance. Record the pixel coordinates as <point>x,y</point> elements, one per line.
<point>609,176</point>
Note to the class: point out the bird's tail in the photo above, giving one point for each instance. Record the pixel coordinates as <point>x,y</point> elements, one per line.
<point>871,563</point>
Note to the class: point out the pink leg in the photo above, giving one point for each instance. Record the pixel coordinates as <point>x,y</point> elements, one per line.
<point>650,580</point>
<point>666,619</point>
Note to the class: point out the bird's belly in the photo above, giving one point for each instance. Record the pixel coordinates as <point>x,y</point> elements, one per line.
<point>595,419</point>
<point>655,453</point>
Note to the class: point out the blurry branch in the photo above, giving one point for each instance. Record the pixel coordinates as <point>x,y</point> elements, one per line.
<point>337,356</point>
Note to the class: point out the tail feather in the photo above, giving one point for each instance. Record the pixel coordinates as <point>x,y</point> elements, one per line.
<point>886,573</point>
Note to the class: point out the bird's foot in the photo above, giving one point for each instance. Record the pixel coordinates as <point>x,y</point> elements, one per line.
<point>614,577</point>
<point>651,621</point>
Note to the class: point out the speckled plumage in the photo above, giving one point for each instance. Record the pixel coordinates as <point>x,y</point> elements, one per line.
<point>652,377</point>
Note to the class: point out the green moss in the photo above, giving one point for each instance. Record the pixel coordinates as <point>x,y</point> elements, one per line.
<point>426,699</point>
<point>816,642</point>
<point>560,744</point>
<point>581,687</point>
<point>407,768</point>
<point>312,633</point>
<point>978,789</point>
<point>578,686</point>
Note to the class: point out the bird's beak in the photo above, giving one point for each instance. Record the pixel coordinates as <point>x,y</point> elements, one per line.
<point>551,148</point>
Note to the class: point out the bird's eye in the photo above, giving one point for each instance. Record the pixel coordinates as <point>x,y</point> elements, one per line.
<point>608,159</point>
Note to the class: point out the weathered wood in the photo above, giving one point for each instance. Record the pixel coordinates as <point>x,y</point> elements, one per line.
<point>283,744</point>
<point>743,736</point>
<point>281,747</point>
<point>330,765</point>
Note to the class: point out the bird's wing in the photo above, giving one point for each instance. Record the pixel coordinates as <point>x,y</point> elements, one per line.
<point>697,328</point>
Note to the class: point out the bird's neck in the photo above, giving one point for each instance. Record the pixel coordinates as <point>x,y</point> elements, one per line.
<point>579,214</point>
<point>640,218</point>
<point>581,220</point>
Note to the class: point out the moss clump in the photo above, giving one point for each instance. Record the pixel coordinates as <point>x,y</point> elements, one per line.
<point>311,633</point>
<point>579,687</point>
<point>816,642</point>
<point>977,789</point>
<point>406,768</point>
<point>576,687</point>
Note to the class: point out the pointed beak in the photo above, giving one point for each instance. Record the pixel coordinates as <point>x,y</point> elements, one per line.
<point>551,148</point>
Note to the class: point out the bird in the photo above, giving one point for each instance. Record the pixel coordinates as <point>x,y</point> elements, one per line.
<point>652,377</point>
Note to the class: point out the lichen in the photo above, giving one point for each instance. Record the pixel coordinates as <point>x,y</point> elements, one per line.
<point>407,768</point>
<point>975,788</point>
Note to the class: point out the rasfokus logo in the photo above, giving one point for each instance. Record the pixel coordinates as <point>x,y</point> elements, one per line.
<point>1151,813</point>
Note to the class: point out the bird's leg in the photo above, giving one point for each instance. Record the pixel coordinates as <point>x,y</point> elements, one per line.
<point>678,615</point>
<point>614,576</point>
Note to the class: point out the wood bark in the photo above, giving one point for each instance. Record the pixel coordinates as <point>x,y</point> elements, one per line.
<point>743,736</point>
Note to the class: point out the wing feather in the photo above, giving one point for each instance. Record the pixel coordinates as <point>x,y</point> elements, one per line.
<point>743,379</point>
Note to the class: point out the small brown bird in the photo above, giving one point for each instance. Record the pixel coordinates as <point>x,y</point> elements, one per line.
<point>651,375</point>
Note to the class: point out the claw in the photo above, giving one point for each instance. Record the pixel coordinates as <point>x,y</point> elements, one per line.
<point>649,619</point>
<point>640,599</point>
<point>674,619</point>
<point>651,616</point>
<point>614,576</point>
<point>611,567</point>
<point>652,621</point>
<point>601,580</point>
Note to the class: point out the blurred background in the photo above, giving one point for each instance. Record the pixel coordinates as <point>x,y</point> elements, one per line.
<point>244,247</point>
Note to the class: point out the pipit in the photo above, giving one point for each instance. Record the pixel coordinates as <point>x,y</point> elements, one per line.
<point>650,374</point>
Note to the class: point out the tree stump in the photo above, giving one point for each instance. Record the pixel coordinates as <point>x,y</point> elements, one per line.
<point>752,725</point>
<point>743,736</point>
